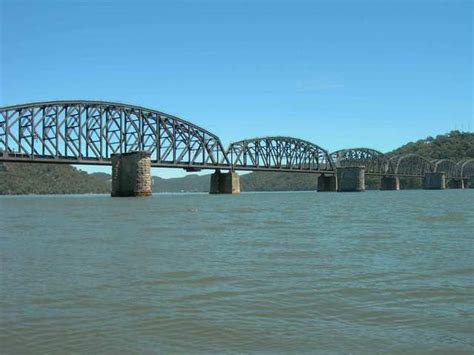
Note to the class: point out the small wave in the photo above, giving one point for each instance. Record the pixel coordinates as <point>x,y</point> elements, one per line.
<point>448,217</point>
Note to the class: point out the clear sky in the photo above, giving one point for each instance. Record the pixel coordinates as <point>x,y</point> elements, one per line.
<point>338,73</point>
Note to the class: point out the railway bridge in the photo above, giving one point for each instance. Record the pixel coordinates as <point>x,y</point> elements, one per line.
<point>132,139</point>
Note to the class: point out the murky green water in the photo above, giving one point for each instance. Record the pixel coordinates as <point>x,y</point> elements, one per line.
<point>276,272</point>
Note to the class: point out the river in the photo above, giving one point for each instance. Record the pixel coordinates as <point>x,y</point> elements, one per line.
<point>305,272</point>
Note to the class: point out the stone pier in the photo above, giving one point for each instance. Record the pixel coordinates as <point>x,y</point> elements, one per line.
<point>390,183</point>
<point>351,179</point>
<point>131,174</point>
<point>327,183</point>
<point>434,181</point>
<point>225,183</point>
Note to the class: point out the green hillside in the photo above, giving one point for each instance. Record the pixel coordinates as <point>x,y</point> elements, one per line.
<point>258,181</point>
<point>22,178</point>
<point>269,181</point>
<point>454,145</point>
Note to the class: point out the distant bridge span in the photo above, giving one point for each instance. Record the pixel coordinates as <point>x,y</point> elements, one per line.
<point>279,153</point>
<point>375,162</point>
<point>93,132</point>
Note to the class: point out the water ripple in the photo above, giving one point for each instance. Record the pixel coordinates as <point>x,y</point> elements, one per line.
<point>257,273</point>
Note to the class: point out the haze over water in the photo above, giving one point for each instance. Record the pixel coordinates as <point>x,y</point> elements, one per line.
<point>259,272</point>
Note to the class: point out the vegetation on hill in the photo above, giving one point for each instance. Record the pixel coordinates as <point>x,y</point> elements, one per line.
<point>22,178</point>
<point>270,181</point>
<point>455,145</point>
<point>188,183</point>
<point>257,181</point>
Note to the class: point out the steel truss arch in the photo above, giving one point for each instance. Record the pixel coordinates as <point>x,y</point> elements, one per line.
<point>409,165</point>
<point>89,132</point>
<point>465,168</point>
<point>447,166</point>
<point>375,162</point>
<point>279,153</point>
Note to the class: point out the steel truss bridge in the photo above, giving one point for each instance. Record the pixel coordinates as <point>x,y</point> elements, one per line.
<point>89,132</point>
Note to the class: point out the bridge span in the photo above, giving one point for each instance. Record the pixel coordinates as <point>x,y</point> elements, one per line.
<point>132,139</point>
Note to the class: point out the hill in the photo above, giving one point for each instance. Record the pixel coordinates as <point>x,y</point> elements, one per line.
<point>257,181</point>
<point>23,178</point>
<point>455,145</point>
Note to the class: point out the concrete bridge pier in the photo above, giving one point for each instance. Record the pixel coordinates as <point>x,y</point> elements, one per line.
<point>225,183</point>
<point>457,183</point>
<point>351,179</point>
<point>131,174</point>
<point>434,181</point>
<point>327,183</point>
<point>390,183</point>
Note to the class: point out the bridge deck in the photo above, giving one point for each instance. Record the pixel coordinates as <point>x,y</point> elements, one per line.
<point>190,167</point>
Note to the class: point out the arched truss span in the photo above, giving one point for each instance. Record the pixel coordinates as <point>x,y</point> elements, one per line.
<point>409,165</point>
<point>88,132</point>
<point>446,166</point>
<point>374,161</point>
<point>279,154</point>
<point>465,168</point>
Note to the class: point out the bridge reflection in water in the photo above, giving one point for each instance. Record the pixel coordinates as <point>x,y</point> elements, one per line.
<point>133,139</point>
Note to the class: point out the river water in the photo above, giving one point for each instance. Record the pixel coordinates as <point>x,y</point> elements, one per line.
<point>259,272</point>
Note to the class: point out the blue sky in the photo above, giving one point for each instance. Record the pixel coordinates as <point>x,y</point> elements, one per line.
<point>337,73</point>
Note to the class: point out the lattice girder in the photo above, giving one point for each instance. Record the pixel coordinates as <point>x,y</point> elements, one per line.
<point>89,132</point>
